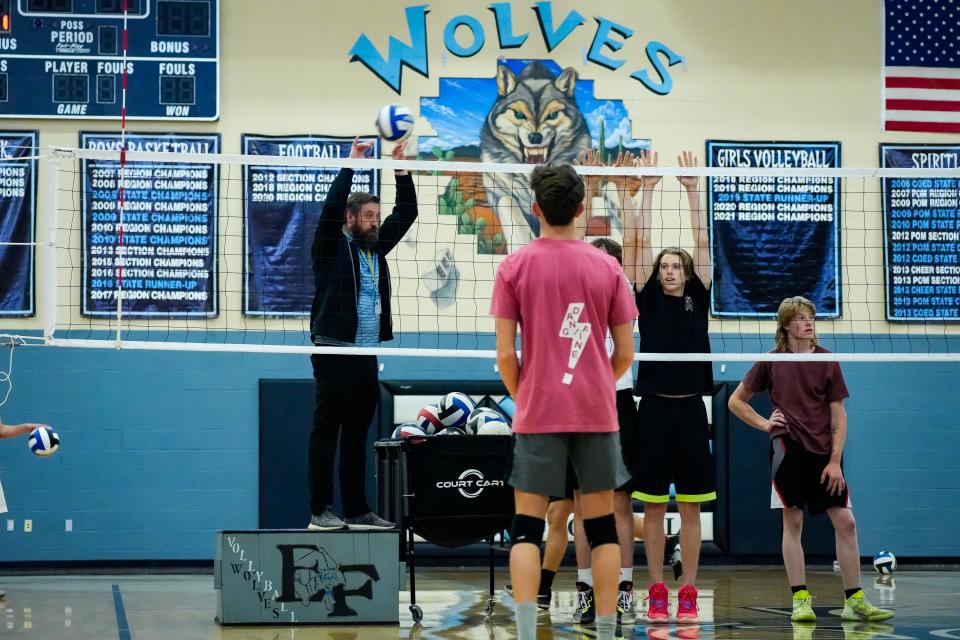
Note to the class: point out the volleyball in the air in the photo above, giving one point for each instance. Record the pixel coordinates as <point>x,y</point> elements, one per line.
<point>482,416</point>
<point>455,408</point>
<point>408,430</point>
<point>394,122</point>
<point>429,419</point>
<point>885,563</point>
<point>43,441</point>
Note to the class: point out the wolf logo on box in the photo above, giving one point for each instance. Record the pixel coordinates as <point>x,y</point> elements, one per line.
<point>534,120</point>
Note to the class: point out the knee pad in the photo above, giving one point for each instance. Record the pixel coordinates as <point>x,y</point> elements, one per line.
<point>526,530</point>
<point>602,530</point>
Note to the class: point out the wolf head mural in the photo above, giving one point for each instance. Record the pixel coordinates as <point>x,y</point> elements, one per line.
<point>535,119</point>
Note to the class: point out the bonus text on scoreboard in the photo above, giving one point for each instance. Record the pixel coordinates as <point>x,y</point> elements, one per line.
<point>164,261</point>
<point>922,235</point>
<point>76,58</point>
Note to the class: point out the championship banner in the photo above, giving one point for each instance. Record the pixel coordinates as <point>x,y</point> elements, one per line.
<point>774,237</point>
<point>282,207</point>
<point>18,213</point>
<point>169,250</point>
<point>921,221</point>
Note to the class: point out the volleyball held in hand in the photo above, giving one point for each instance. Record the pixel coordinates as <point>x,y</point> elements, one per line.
<point>43,441</point>
<point>394,122</point>
<point>885,563</point>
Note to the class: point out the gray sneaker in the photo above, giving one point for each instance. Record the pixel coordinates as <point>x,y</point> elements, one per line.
<point>2,593</point>
<point>326,521</point>
<point>369,520</point>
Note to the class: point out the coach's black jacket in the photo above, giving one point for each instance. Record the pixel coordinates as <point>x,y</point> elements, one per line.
<point>336,262</point>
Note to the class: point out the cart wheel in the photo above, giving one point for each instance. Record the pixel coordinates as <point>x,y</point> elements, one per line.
<point>488,610</point>
<point>417,613</point>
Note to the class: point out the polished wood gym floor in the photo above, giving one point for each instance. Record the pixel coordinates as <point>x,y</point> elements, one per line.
<point>739,602</point>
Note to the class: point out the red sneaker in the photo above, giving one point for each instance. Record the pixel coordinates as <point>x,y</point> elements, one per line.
<point>687,604</point>
<point>657,601</point>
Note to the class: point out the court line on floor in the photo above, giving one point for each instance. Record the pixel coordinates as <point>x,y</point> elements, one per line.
<point>122,627</point>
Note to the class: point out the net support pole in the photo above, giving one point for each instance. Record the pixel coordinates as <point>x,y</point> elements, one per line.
<point>48,244</point>
<point>121,177</point>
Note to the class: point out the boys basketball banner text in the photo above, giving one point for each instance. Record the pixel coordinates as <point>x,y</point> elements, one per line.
<point>164,261</point>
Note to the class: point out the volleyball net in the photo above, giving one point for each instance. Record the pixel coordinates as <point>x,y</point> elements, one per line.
<point>210,251</point>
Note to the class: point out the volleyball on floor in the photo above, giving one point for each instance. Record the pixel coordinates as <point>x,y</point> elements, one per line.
<point>485,421</point>
<point>43,441</point>
<point>429,419</point>
<point>394,122</point>
<point>885,563</point>
<point>455,409</point>
<point>408,430</point>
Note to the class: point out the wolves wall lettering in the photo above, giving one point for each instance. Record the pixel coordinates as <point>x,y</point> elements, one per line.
<point>607,36</point>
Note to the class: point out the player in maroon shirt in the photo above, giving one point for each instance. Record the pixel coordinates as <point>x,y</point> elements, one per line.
<point>808,428</point>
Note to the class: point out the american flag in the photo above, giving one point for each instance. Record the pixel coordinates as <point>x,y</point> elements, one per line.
<point>921,73</point>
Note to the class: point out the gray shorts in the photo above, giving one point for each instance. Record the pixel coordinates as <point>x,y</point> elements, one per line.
<point>540,462</point>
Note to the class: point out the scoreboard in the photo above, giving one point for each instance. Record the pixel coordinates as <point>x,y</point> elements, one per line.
<point>64,59</point>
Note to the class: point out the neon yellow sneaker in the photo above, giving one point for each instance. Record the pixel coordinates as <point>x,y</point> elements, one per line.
<point>803,607</point>
<point>856,607</point>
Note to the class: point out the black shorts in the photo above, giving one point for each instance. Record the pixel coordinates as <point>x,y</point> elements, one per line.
<point>627,418</point>
<point>673,445</point>
<point>795,474</point>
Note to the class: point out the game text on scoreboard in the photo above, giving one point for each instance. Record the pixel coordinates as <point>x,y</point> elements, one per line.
<point>64,58</point>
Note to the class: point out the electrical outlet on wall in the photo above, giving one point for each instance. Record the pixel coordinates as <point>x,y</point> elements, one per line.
<point>27,526</point>
<point>11,525</point>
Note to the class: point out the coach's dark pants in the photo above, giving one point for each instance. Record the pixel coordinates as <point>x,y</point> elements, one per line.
<point>347,394</point>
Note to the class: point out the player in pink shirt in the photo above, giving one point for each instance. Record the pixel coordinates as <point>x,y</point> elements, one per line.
<point>564,294</point>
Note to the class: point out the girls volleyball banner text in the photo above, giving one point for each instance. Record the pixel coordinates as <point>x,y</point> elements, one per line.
<point>774,237</point>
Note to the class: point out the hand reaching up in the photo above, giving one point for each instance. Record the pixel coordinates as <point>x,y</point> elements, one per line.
<point>649,158</point>
<point>590,158</point>
<point>687,159</point>
<point>359,149</point>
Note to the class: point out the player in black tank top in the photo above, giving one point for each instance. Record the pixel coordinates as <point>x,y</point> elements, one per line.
<point>672,293</point>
